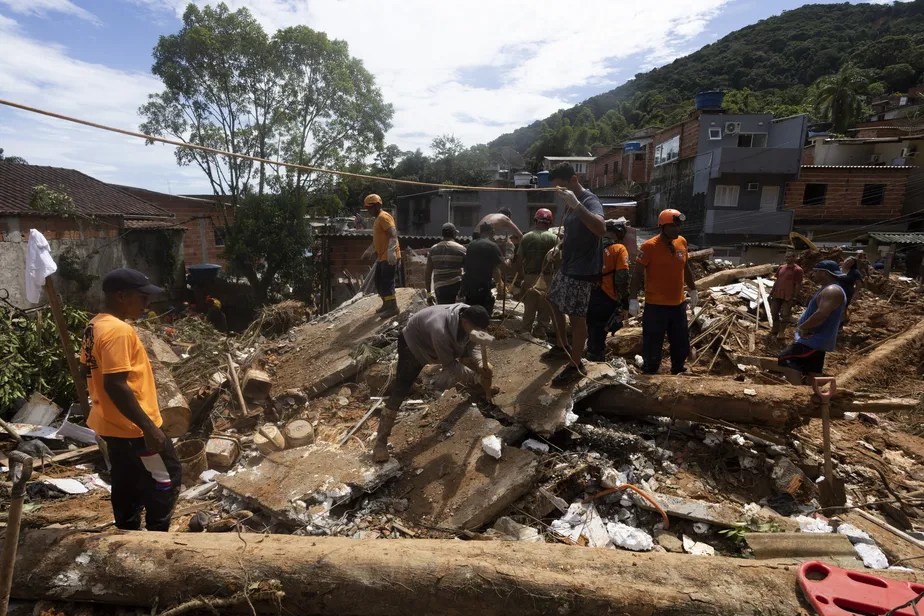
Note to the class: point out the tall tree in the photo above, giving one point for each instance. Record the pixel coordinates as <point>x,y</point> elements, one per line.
<point>12,159</point>
<point>230,86</point>
<point>266,242</point>
<point>839,97</point>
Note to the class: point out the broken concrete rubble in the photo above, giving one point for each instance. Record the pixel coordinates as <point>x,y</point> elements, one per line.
<point>326,351</point>
<point>455,485</point>
<point>297,484</point>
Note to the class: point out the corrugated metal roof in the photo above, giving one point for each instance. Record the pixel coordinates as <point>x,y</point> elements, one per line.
<point>140,225</point>
<point>897,238</point>
<point>91,197</point>
<point>880,167</point>
<point>578,158</point>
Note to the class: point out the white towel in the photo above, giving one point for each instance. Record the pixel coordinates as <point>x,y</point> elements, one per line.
<point>39,265</point>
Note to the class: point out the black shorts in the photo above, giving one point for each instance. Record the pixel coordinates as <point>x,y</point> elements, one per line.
<point>803,358</point>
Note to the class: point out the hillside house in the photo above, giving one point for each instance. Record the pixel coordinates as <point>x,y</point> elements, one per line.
<point>727,173</point>
<point>102,228</point>
<point>582,165</point>
<point>205,219</point>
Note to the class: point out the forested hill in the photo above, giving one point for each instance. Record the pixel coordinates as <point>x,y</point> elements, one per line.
<point>774,62</point>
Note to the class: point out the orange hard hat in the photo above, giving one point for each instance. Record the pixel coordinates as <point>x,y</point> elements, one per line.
<point>543,215</point>
<point>667,217</point>
<point>371,200</point>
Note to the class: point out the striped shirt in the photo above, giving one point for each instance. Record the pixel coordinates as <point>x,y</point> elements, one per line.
<point>446,258</point>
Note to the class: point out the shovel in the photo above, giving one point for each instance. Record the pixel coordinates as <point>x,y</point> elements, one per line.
<point>831,490</point>
<point>20,472</point>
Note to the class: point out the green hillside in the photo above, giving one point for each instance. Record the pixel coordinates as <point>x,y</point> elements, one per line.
<point>767,66</point>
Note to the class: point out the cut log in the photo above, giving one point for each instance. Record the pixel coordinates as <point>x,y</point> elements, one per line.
<point>705,398</point>
<point>400,576</point>
<point>701,255</point>
<point>881,358</point>
<point>723,278</point>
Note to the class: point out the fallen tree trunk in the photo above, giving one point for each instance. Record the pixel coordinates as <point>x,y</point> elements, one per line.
<point>882,358</point>
<point>413,576</point>
<point>723,278</point>
<point>705,398</point>
<point>701,255</point>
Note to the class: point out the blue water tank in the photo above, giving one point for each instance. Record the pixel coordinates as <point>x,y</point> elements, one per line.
<point>543,179</point>
<point>709,100</point>
<point>203,273</point>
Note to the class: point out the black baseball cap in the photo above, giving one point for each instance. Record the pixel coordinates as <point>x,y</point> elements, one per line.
<point>125,279</point>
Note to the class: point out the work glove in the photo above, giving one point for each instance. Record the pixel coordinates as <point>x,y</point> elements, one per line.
<point>431,299</point>
<point>567,198</point>
<point>694,298</point>
<point>633,307</point>
<point>392,257</point>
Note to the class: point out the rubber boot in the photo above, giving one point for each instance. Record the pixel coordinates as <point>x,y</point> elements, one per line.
<point>380,453</point>
<point>389,308</point>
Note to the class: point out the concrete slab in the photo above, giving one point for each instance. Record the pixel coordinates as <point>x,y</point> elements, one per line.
<point>801,545</point>
<point>448,480</point>
<point>294,483</point>
<point>526,395</point>
<point>323,351</point>
<point>719,514</point>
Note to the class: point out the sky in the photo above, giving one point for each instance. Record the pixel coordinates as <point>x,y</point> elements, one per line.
<point>474,69</point>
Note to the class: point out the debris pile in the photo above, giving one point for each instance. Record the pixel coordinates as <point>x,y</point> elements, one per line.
<point>721,463</point>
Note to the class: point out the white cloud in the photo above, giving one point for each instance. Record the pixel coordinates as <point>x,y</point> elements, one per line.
<point>419,49</point>
<point>475,69</point>
<point>44,7</point>
<point>43,75</point>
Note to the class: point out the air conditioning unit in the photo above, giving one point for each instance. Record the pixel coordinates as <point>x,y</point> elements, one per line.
<point>732,128</point>
<point>753,186</point>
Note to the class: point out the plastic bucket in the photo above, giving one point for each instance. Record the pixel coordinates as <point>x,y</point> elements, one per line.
<point>191,454</point>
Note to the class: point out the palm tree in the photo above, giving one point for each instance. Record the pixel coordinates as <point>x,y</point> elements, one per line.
<point>839,97</point>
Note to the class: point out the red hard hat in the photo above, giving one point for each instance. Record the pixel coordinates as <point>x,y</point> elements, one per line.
<point>667,217</point>
<point>543,215</point>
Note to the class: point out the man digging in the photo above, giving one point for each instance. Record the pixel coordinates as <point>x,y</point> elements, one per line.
<point>442,335</point>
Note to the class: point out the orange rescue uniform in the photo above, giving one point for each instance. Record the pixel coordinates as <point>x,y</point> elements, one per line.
<point>110,346</point>
<point>384,223</point>
<point>615,258</point>
<point>664,270</point>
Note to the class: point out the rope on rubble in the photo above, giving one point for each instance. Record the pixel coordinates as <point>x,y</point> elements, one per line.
<point>269,161</point>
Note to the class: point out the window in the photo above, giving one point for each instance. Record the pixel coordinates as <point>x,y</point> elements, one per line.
<point>639,157</point>
<point>579,167</point>
<point>752,140</point>
<point>606,169</point>
<point>753,186</point>
<point>464,216</point>
<point>219,234</point>
<point>715,133</point>
<point>814,194</point>
<point>726,196</point>
<point>667,151</point>
<point>873,194</point>
<point>769,198</point>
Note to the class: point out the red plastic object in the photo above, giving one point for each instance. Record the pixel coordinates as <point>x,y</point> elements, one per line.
<point>833,591</point>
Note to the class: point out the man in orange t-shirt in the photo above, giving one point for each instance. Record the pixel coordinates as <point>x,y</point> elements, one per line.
<point>610,299</point>
<point>662,262</point>
<point>387,253</point>
<point>146,473</point>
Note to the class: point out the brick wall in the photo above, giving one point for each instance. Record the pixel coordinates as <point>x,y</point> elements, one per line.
<point>689,138</point>
<point>201,221</point>
<point>844,192</point>
<point>54,228</point>
<point>605,170</point>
